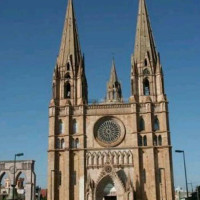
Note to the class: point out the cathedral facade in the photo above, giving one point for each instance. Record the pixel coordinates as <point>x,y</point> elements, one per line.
<point>112,150</point>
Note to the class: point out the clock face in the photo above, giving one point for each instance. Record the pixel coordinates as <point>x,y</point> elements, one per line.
<point>109,131</point>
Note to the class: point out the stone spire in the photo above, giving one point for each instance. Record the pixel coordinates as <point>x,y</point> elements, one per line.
<point>69,80</point>
<point>70,47</point>
<point>146,71</point>
<point>113,74</point>
<point>144,42</point>
<point>114,93</point>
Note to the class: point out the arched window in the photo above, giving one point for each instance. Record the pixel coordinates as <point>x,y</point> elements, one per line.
<point>139,140</point>
<point>145,62</point>
<point>77,143</point>
<point>146,87</point>
<point>141,124</point>
<point>156,124</point>
<point>68,66</point>
<point>61,129</point>
<point>160,140</point>
<point>57,143</point>
<point>145,140</point>
<point>73,144</point>
<point>67,92</point>
<point>155,140</point>
<point>75,126</point>
<point>62,144</point>
<point>146,72</point>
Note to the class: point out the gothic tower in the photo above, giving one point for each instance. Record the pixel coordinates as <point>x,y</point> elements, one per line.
<point>146,71</point>
<point>69,81</point>
<point>69,91</point>
<point>113,150</point>
<point>147,89</point>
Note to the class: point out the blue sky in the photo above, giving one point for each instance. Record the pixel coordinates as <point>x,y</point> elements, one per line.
<point>29,42</point>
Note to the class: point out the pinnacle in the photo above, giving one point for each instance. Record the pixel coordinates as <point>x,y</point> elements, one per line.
<point>113,74</point>
<point>144,42</point>
<point>70,47</point>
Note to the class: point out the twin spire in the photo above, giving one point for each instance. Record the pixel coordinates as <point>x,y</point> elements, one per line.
<point>70,45</point>
<point>144,42</point>
<point>71,63</point>
<point>70,83</point>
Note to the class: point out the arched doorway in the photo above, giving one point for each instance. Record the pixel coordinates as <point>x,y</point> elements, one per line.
<point>110,192</point>
<point>106,189</point>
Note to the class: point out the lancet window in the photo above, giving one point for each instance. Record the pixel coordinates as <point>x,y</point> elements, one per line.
<point>145,62</point>
<point>145,140</point>
<point>61,129</point>
<point>160,140</point>
<point>141,124</point>
<point>157,140</point>
<point>156,124</point>
<point>142,140</point>
<point>146,88</point>
<point>75,126</point>
<point>67,92</point>
<point>68,66</point>
<point>62,144</point>
<point>57,143</point>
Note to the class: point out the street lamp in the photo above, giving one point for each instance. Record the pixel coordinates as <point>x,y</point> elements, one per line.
<point>186,183</point>
<point>191,186</point>
<point>14,184</point>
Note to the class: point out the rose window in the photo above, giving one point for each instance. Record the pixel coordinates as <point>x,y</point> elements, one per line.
<point>109,131</point>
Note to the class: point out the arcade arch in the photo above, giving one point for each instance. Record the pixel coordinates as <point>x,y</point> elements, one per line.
<point>24,173</point>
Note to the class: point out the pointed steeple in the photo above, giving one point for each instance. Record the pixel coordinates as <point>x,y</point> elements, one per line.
<point>114,93</point>
<point>70,47</point>
<point>113,74</point>
<point>144,42</point>
<point>146,70</point>
<point>70,83</point>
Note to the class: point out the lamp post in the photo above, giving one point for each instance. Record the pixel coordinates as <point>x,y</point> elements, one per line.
<point>186,183</point>
<point>191,186</point>
<point>14,183</point>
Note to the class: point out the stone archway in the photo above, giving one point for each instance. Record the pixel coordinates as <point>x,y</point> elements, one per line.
<point>106,188</point>
<point>27,168</point>
<point>110,188</point>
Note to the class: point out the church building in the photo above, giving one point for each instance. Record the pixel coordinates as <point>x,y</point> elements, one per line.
<point>113,150</point>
